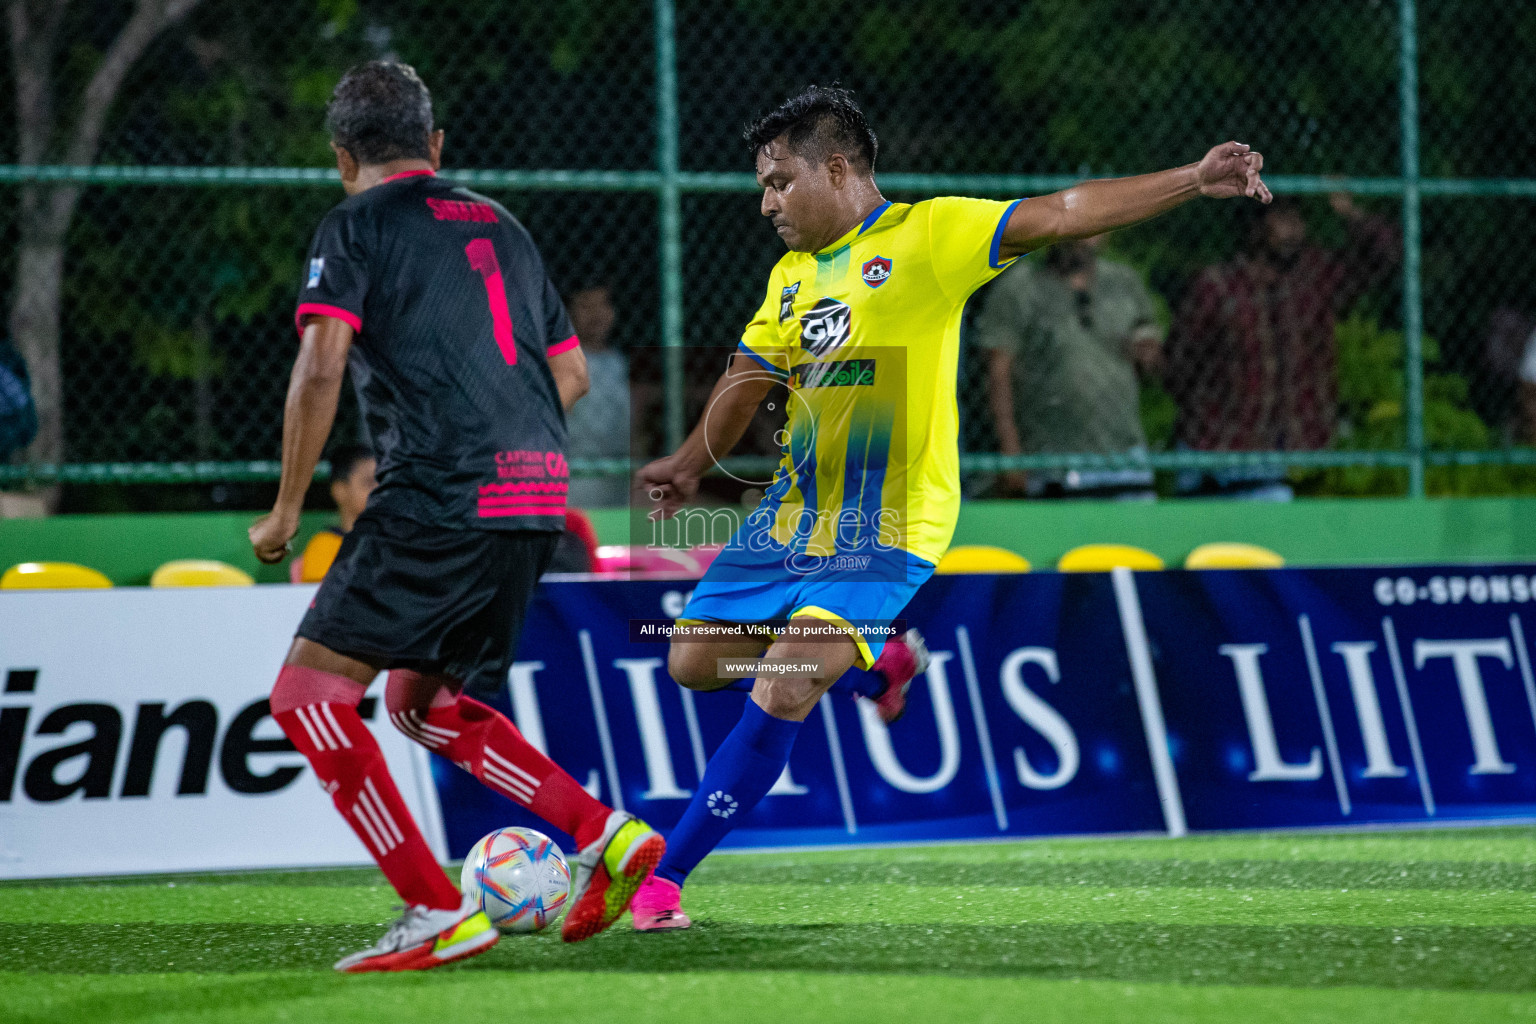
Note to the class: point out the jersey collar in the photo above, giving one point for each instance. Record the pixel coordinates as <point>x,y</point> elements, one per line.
<point>874,215</point>
<point>426,172</point>
<point>864,225</point>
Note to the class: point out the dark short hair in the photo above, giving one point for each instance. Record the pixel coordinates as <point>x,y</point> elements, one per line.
<point>588,282</point>
<point>345,459</point>
<point>381,111</point>
<point>818,122</point>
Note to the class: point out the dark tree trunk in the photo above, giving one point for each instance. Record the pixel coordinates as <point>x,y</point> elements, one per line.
<point>36,304</point>
<point>46,210</point>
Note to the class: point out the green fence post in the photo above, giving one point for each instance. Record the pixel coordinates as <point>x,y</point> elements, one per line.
<point>1413,297</point>
<point>669,218</point>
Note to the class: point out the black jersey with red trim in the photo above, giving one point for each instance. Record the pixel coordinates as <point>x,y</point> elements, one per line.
<point>456,320</point>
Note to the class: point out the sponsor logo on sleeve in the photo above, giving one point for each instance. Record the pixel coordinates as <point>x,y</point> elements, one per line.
<point>787,301</point>
<point>825,326</point>
<point>877,271</point>
<point>316,268</point>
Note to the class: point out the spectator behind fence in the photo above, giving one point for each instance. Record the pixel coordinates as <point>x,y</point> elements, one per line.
<point>18,412</point>
<point>1251,362</point>
<point>598,425</point>
<point>352,480</point>
<point>1064,339</point>
<point>1527,419</point>
<point>1508,374</point>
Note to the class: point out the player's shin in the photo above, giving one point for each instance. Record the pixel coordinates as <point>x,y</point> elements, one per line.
<point>740,774</point>
<point>350,766</point>
<point>854,682</point>
<point>860,683</point>
<point>481,740</point>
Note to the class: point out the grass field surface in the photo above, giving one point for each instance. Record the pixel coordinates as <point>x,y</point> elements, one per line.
<point>1401,927</point>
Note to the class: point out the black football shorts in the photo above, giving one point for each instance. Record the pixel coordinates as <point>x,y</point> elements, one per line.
<point>406,595</point>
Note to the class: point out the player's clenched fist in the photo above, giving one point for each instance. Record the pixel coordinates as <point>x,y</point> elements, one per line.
<point>667,484</point>
<point>270,536</point>
<point>1232,169</point>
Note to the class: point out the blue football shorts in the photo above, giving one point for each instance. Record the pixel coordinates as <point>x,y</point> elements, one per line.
<point>755,579</point>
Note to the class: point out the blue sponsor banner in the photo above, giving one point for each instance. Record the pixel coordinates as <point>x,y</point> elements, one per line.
<point>1025,724</point>
<point>1346,696</point>
<point>1072,703</point>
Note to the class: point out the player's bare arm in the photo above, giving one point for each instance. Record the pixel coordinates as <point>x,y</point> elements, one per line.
<point>313,392</point>
<point>571,380</point>
<point>1094,207</point>
<point>671,482</point>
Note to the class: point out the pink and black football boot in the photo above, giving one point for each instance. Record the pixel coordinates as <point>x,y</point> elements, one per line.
<point>900,663</point>
<point>658,906</point>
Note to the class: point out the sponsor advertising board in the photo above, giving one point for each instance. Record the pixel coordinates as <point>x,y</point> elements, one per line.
<point>135,738</point>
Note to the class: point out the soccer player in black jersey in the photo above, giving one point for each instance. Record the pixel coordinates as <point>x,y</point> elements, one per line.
<point>464,362</point>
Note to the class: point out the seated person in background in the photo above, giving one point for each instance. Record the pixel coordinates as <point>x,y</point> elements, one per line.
<point>598,426</point>
<point>352,480</point>
<point>1064,339</point>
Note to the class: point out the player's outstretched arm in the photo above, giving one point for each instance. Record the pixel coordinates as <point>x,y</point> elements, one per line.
<point>671,482</point>
<point>1094,207</point>
<point>313,391</point>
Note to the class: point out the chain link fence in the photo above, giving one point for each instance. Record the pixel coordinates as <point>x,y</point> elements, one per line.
<point>1374,337</point>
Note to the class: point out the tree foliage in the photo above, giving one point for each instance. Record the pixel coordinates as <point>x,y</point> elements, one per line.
<point>177,301</point>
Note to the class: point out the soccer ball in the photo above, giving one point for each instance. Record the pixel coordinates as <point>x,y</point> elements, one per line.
<point>519,879</point>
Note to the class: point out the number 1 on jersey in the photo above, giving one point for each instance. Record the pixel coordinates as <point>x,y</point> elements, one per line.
<point>482,260</point>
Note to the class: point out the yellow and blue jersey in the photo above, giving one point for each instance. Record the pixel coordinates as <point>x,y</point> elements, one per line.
<point>867,334</point>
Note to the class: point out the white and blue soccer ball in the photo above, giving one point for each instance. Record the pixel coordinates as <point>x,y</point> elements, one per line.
<point>519,877</point>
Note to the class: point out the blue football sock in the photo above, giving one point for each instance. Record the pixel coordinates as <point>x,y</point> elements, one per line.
<point>865,684</point>
<point>741,772</point>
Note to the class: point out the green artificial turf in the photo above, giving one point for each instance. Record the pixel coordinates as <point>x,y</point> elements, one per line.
<point>1421,926</point>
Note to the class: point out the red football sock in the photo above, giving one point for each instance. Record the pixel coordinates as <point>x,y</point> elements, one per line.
<point>480,740</point>
<point>351,768</point>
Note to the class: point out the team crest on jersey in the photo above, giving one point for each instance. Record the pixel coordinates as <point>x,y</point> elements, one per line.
<point>316,268</point>
<point>825,326</point>
<point>787,301</point>
<point>877,271</point>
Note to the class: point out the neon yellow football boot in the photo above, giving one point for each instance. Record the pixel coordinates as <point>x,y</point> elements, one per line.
<point>425,938</point>
<point>607,874</point>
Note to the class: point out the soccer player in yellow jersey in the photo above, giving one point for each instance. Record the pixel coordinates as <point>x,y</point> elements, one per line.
<point>862,320</point>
